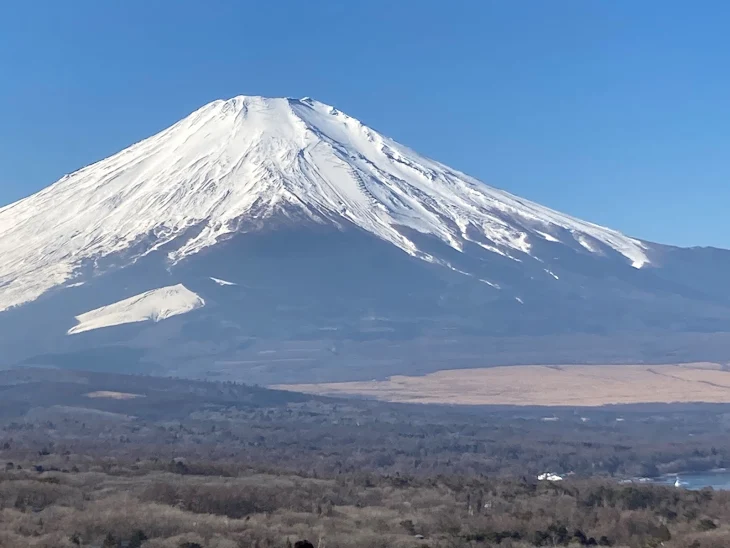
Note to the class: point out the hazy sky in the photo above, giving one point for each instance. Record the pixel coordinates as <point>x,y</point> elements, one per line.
<point>617,112</point>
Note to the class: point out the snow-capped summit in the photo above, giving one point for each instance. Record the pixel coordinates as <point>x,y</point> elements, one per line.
<point>280,240</point>
<point>251,158</point>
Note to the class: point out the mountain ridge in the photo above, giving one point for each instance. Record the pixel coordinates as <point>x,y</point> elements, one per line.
<point>259,157</point>
<point>343,252</point>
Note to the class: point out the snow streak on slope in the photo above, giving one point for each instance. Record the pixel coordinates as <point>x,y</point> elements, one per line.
<point>251,158</point>
<point>155,305</point>
<point>222,283</point>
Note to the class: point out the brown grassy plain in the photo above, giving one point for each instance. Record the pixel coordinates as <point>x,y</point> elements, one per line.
<point>554,385</point>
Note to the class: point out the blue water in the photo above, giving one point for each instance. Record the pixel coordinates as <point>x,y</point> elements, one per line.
<point>717,480</point>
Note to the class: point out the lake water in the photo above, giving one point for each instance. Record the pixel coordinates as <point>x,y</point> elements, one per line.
<point>716,480</point>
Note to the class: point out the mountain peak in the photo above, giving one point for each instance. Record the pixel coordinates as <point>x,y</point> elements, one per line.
<point>252,158</point>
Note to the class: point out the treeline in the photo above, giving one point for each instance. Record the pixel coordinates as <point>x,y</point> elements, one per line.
<point>151,504</point>
<point>218,423</point>
<point>325,439</point>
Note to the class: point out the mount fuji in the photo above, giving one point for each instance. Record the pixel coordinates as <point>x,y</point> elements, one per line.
<point>278,240</point>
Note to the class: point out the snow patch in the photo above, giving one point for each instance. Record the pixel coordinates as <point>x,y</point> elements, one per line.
<point>221,282</point>
<point>548,237</point>
<point>111,395</point>
<point>587,244</point>
<point>155,306</point>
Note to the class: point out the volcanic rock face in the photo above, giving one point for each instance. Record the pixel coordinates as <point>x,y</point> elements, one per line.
<point>310,237</point>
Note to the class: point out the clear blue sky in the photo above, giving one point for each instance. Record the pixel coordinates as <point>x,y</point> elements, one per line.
<point>614,111</point>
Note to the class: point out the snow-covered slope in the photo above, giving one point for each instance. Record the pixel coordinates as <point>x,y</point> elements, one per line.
<point>156,305</point>
<point>250,158</point>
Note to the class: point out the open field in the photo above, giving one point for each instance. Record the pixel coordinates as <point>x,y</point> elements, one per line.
<point>50,410</point>
<point>569,385</point>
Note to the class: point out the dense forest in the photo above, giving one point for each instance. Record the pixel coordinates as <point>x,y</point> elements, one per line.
<point>75,500</point>
<point>100,460</point>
